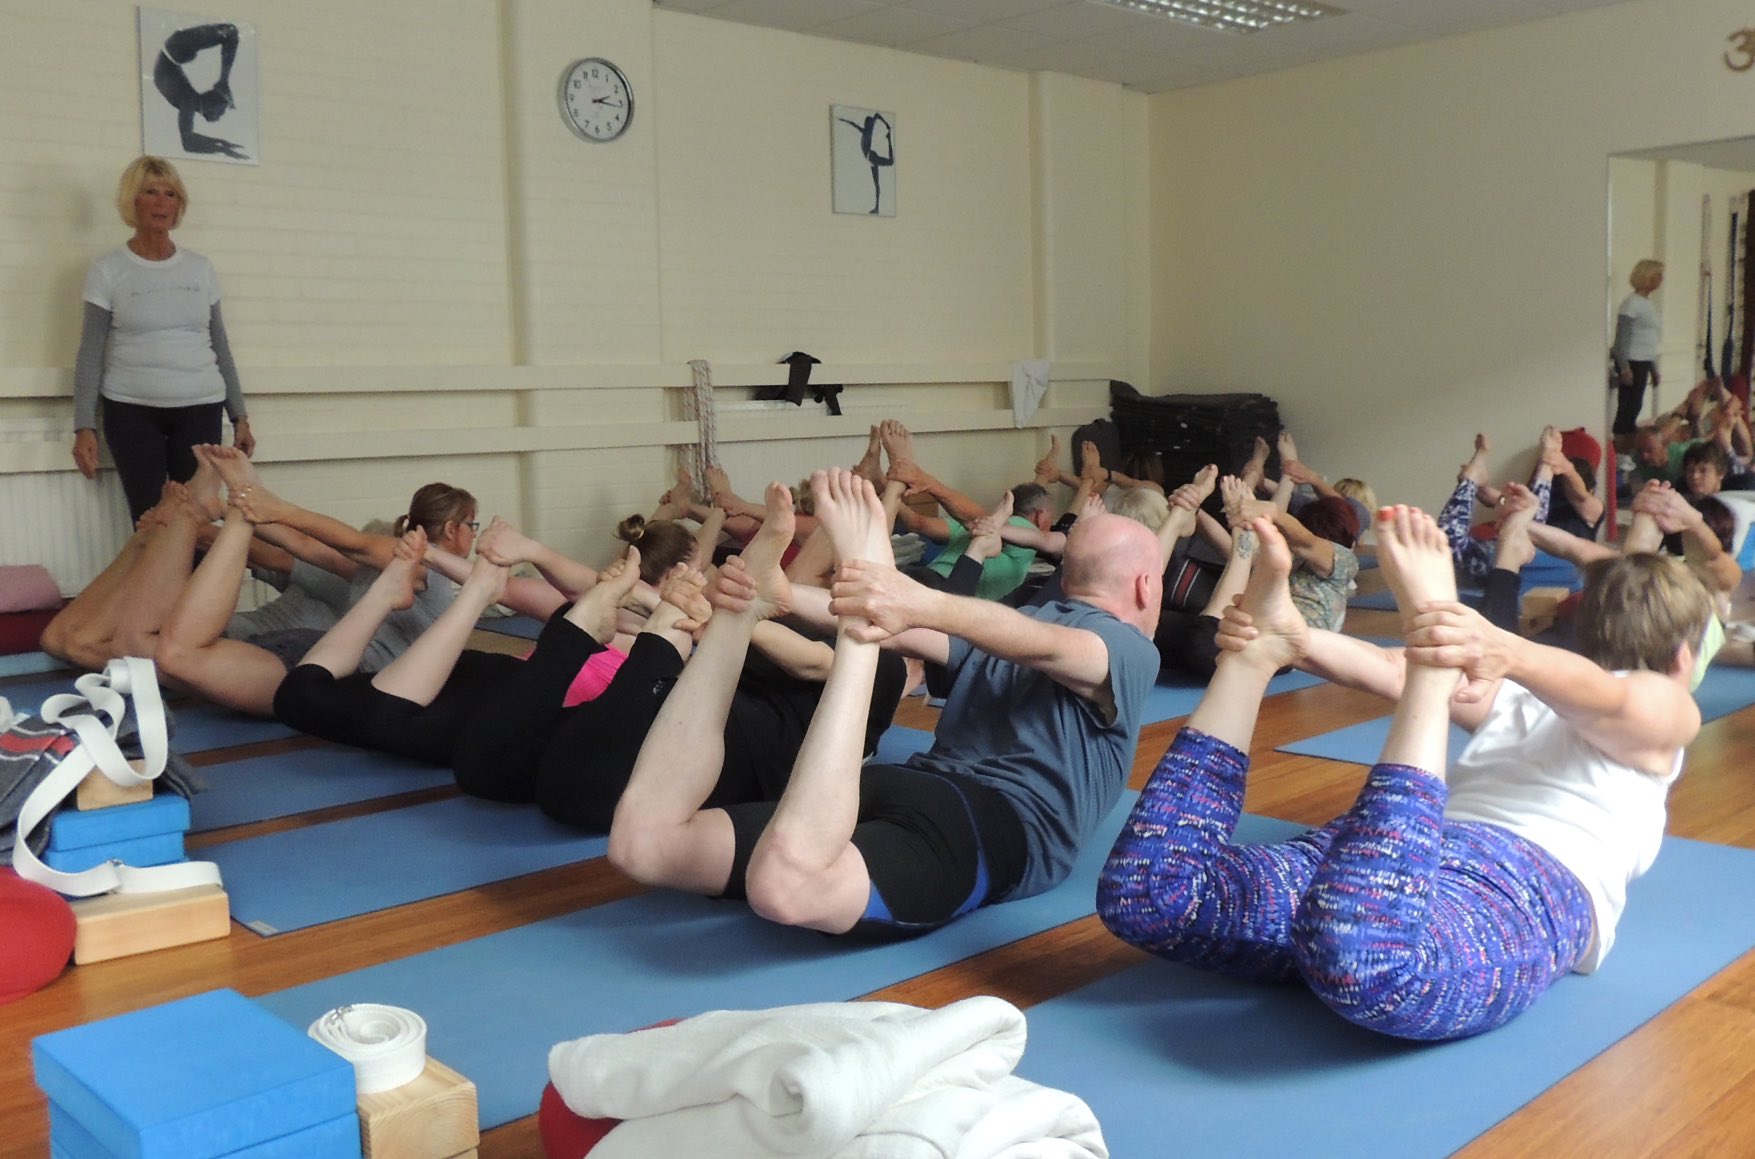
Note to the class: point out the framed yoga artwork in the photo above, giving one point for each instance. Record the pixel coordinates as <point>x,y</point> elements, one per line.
<point>200,88</point>
<point>862,160</point>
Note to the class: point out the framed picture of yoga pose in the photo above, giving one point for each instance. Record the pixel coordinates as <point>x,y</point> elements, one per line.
<point>862,160</point>
<point>200,88</point>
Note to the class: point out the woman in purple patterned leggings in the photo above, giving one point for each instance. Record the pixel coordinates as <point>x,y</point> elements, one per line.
<point>1434,908</point>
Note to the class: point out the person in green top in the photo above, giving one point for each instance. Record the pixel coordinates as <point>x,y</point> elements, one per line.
<point>999,575</point>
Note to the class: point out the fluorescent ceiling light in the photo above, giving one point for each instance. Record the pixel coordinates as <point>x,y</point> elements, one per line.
<point>1230,15</point>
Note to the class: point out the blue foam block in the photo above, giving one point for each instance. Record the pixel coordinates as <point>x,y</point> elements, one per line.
<point>153,849</point>
<point>75,829</point>
<point>435,849</point>
<point>524,627</point>
<point>661,955</point>
<point>338,1138</point>
<point>1221,1067</point>
<point>1362,743</point>
<point>279,785</point>
<point>192,1079</point>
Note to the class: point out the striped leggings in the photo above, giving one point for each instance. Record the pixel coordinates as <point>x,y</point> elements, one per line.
<point>1474,557</point>
<point>1398,921</point>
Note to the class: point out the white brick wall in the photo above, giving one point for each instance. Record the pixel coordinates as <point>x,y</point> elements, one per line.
<point>420,204</point>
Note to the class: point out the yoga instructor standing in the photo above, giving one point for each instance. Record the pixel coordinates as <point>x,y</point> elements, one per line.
<point>1639,335</point>
<point>153,346</point>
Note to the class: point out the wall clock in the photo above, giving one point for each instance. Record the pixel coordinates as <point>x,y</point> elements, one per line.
<point>597,102</point>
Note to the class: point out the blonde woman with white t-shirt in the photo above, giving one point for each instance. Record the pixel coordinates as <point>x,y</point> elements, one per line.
<point>1639,336</point>
<point>153,347</point>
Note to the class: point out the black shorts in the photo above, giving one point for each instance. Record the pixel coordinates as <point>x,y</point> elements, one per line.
<point>935,848</point>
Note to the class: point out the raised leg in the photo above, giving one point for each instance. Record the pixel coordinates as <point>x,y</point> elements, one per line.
<point>661,835</point>
<point>1174,884</point>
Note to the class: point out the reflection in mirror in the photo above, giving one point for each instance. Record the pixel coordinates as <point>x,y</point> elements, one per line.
<point>1686,206</point>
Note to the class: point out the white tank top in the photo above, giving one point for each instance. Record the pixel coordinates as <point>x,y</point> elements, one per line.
<point>1528,771</point>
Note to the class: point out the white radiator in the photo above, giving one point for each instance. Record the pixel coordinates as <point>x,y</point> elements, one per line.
<point>64,521</point>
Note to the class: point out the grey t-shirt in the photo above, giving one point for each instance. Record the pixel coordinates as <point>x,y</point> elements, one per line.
<point>1042,746</point>
<point>315,599</point>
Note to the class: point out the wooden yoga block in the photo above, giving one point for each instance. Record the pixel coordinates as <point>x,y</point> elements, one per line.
<point>118,925</point>
<point>1540,608</point>
<point>433,1117</point>
<point>99,792</point>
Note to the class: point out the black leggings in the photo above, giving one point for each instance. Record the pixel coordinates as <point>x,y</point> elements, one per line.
<point>153,444</point>
<point>349,710</point>
<point>521,745</point>
<point>1630,399</point>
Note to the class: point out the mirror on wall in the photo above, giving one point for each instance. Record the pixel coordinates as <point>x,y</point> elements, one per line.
<point>1676,205</point>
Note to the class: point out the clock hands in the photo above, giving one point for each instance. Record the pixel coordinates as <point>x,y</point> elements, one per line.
<point>606,101</point>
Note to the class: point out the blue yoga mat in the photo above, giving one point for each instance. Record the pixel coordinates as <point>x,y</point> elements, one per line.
<point>1361,743</point>
<point>1169,1057</point>
<point>493,1006</point>
<point>23,663</point>
<point>261,788</point>
<point>199,727</point>
<point>1177,695</point>
<point>305,877</point>
<point>524,627</point>
<point>898,744</point>
<point>1724,691</point>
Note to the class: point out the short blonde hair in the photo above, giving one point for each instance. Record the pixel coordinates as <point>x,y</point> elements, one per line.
<point>1357,489</point>
<point>134,178</point>
<point>1142,505</point>
<point>1645,275</point>
<point>1638,610</point>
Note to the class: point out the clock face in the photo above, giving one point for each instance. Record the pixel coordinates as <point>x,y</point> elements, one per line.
<point>596,100</point>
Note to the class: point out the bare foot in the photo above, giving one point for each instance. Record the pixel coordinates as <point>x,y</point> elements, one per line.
<point>486,583</point>
<point>1092,507</point>
<point>1282,637</point>
<point>1193,493</point>
<point>1288,449</point>
<point>1476,467</point>
<point>871,464</point>
<point>505,545</point>
<point>1090,461</point>
<point>204,489</point>
<point>400,578</point>
<point>1252,470</point>
<point>1048,466</point>
<point>849,512</point>
<point>595,611</point>
<point>1550,441</point>
<point>260,505</point>
<point>1241,505</point>
<point>684,589</point>
<point>761,557</point>
<point>898,442</point>
<point>984,540</point>
<point>1415,558</point>
<point>1517,510</point>
<point>719,484</point>
<point>234,467</point>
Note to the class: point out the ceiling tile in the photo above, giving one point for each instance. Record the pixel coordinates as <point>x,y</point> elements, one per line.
<point>980,11</point>
<point>795,15</point>
<point>983,43</point>
<point>1081,20</point>
<point>893,26</point>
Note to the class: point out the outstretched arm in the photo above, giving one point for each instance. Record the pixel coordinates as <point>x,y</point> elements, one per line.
<point>1640,718</point>
<point>533,597</point>
<point>893,603</point>
<point>503,544</point>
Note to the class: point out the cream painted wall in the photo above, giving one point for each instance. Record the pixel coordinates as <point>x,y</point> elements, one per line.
<point>429,275</point>
<point>1405,247</point>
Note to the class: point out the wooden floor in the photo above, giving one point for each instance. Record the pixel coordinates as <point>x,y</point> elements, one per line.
<point>1684,1084</point>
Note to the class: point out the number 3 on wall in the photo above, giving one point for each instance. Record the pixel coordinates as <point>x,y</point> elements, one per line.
<point>1744,54</point>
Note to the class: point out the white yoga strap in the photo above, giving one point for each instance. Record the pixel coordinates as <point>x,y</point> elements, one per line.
<point>705,452</point>
<point>105,692</point>
<point>386,1044</point>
